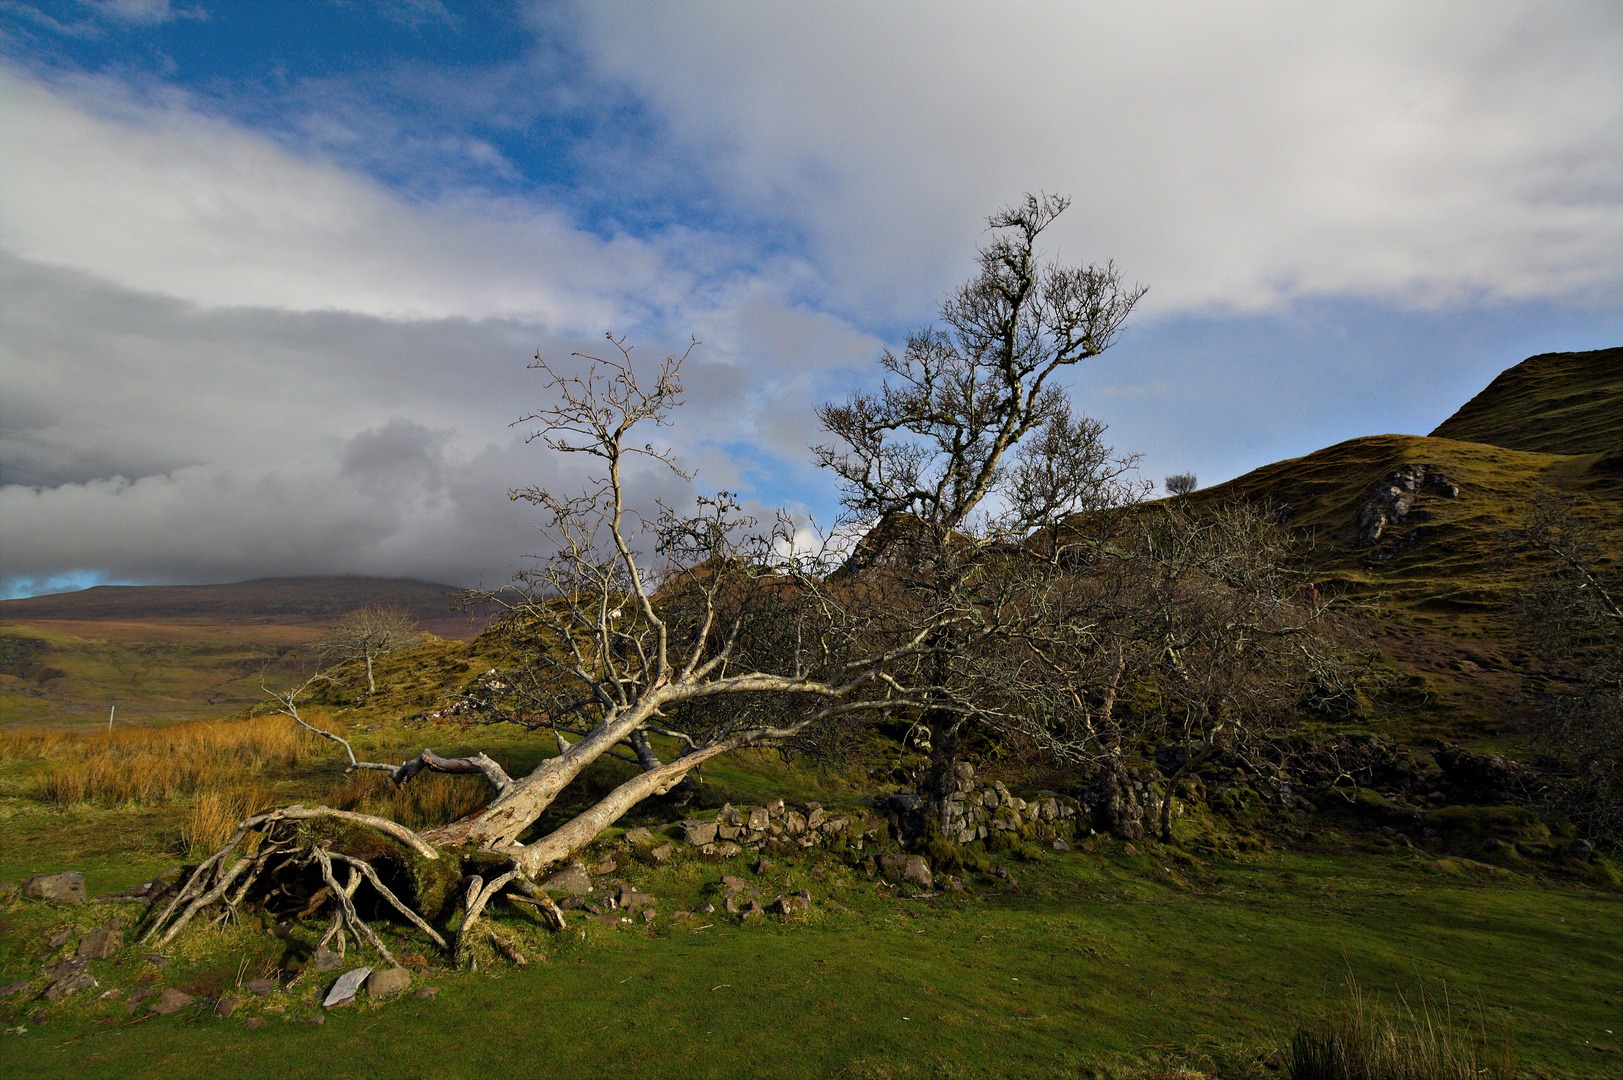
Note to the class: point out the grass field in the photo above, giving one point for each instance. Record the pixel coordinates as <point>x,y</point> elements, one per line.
<point>1088,963</point>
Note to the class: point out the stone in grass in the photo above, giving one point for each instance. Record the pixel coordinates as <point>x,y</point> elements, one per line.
<point>225,1007</point>
<point>171,1001</point>
<point>101,944</point>
<point>344,990</point>
<point>60,938</point>
<point>13,988</point>
<point>74,981</point>
<point>325,959</point>
<point>260,986</point>
<point>428,993</point>
<point>388,982</point>
<point>254,1022</point>
<point>572,879</point>
<point>67,887</point>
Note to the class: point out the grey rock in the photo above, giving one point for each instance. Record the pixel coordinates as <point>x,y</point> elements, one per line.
<point>101,944</point>
<point>317,1020</point>
<point>66,886</point>
<point>699,833</point>
<point>917,872</point>
<point>388,982</point>
<point>794,823</point>
<point>729,815</point>
<point>13,988</point>
<point>260,986</point>
<point>572,879</point>
<point>70,983</point>
<point>171,1001</point>
<point>892,864</point>
<point>225,1007</point>
<point>639,835</point>
<point>759,819</point>
<point>60,938</point>
<point>662,853</point>
<point>775,808</point>
<point>797,904</point>
<point>428,993</point>
<point>253,1023</point>
<point>325,960</point>
<point>344,990</point>
<point>815,816</point>
<point>72,965</point>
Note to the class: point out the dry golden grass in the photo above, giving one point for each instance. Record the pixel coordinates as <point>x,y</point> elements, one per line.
<point>214,816</point>
<point>156,765</point>
<point>426,800</point>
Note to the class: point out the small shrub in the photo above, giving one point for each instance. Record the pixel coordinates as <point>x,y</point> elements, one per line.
<point>1181,483</point>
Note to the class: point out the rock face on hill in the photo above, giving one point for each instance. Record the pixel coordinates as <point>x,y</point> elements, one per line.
<point>1394,498</point>
<point>1554,403</point>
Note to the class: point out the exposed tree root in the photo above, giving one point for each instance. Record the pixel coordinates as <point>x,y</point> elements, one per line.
<point>282,861</point>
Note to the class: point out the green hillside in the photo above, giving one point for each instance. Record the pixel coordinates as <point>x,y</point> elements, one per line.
<point>1556,403</point>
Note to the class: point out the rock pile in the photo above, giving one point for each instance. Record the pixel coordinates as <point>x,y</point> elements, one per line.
<point>975,811</point>
<point>733,830</point>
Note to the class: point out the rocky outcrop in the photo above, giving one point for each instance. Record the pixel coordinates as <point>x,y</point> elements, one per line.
<point>1392,501</point>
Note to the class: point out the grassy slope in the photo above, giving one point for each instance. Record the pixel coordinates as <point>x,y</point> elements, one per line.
<point>1438,580</point>
<point>1557,403</point>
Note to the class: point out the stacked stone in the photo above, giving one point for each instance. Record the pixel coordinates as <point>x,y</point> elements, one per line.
<point>755,827</point>
<point>974,812</point>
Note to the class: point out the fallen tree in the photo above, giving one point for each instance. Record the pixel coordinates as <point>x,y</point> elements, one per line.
<point>738,639</point>
<point>713,633</point>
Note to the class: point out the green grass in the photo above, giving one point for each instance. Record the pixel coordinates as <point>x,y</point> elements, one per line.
<point>1095,964</point>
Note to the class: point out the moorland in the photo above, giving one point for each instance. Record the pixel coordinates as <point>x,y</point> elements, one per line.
<point>1434,875</point>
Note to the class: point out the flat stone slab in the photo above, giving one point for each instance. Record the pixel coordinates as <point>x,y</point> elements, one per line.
<point>67,887</point>
<point>171,1001</point>
<point>344,990</point>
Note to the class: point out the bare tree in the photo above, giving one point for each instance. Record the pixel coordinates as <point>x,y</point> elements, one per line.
<point>1181,483</point>
<point>971,445</point>
<point>700,628</point>
<point>1572,620</point>
<point>367,633</point>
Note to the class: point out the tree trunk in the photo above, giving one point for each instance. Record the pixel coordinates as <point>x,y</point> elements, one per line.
<point>371,686</point>
<point>1124,814</point>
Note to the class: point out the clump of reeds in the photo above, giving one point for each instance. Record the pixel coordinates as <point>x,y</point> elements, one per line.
<point>1365,1041</point>
<point>157,765</point>
<point>427,799</point>
<point>214,816</point>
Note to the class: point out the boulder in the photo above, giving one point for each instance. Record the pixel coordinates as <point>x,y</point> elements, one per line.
<point>325,959</point>
<point>917,872</point>
<point>101,944</point>
<point>797,904</point>
<point>572,879</point>
<point>639,835</point>
<point>815,816</point>
<point>759,819</point>
<point>775,808</point>
<point>66,887</point>
<point>699,833</point>
<point>171,1001</point>
<point>388,982</point>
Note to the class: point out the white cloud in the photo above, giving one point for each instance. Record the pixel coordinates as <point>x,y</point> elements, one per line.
<point>1234,156</point>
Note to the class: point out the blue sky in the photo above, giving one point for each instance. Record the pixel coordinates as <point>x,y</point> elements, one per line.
<point>272,270</point>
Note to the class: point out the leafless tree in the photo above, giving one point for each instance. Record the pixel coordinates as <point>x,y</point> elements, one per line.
<point>971,446</point>
<point>367,633</point>
<point>1181,483</point>
<point>701,628</point>
<point>1572,619</point>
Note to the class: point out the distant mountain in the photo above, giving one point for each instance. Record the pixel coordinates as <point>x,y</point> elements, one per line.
<point>317,601</point>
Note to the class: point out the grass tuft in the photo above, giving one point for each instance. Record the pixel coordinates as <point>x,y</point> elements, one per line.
<point>1364,1041</point>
